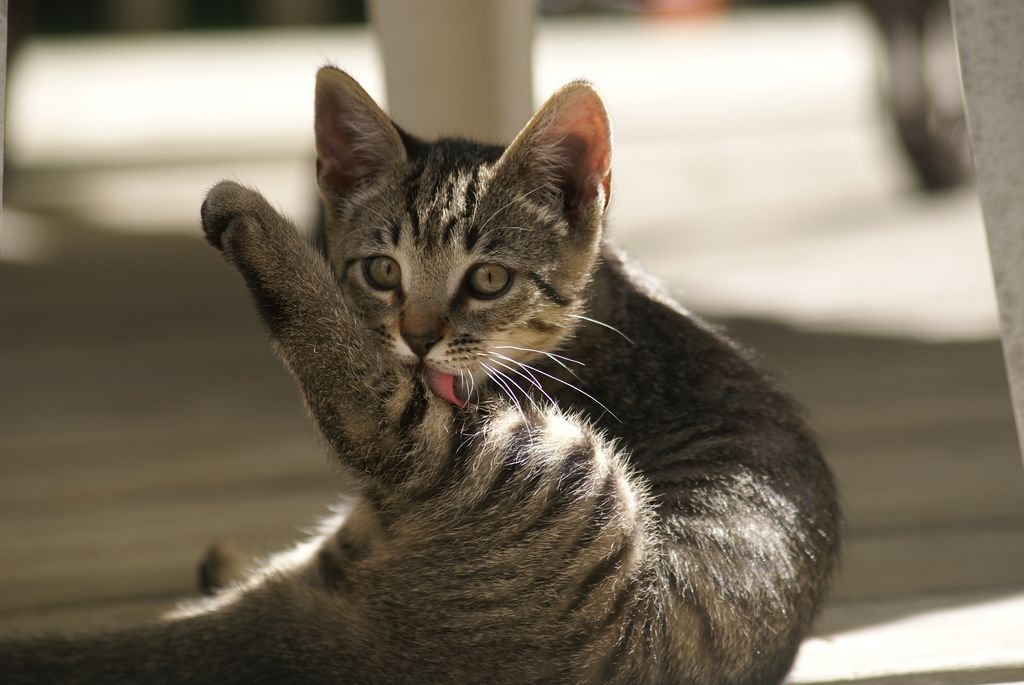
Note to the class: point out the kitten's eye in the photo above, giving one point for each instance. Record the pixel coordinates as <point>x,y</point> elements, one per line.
<point>488,280</point>
<point>382,272</point>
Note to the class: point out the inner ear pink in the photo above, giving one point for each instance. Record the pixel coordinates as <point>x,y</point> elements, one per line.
<point>333,150</point>
<point>580,129</point>
<point>354,139</point>
<point>589,127</point>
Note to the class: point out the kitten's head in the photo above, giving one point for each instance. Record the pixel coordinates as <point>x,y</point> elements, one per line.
<point>465,259</point>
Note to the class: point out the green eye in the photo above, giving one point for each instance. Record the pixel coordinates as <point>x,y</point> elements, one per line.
<point>382,273</point>
<point>488,280</point>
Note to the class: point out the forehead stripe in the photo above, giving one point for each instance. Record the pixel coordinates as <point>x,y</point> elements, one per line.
<point>449,194</point>
<point>472,235</point>
<point>472,230</point>
<point>471,193</point>
<point>412,190</point>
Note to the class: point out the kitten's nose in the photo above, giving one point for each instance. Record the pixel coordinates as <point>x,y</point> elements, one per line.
<point>420,343</point>
<point>421,326</point>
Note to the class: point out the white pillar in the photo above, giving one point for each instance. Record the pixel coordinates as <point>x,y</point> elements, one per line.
<point>990,41</point>
<point>457,67</point>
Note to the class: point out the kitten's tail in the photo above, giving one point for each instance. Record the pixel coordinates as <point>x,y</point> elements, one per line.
<point>220,647</point>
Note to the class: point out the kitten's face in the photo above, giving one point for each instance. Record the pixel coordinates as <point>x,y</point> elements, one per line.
<point>466,260</point>
<point>460,266</point>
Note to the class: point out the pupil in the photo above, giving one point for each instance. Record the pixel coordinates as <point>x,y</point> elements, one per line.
<point>488,279</point>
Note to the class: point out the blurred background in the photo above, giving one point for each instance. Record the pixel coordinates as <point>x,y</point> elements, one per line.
<point>796,171</point>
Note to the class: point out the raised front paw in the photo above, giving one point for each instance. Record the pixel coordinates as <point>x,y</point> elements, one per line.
<point>226,202</point>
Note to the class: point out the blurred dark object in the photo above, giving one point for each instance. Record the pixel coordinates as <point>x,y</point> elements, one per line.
<point>923,88</point>
<point>97,16</point>
<point>20,15</point>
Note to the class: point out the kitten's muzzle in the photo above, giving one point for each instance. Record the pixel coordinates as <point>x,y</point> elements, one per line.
<point>420,343</point>
<point>421,327</point>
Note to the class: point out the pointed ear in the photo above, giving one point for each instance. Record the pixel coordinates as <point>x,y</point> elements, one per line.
<point>354,138</point>
<point>568,143</point>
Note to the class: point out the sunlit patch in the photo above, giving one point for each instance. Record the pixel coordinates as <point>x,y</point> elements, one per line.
<point>560,435</point>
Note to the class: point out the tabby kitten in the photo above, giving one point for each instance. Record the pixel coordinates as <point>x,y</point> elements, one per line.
<point>564,477</point>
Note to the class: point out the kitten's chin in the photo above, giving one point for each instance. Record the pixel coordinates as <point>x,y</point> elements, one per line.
<point>449,387</point>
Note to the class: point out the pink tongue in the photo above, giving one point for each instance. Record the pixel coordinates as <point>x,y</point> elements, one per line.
<point>443,385</point>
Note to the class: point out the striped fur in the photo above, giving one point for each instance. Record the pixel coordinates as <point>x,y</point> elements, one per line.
<point>667,520</point>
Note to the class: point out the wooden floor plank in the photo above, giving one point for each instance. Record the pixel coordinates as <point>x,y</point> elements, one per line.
<point>87,616</point>
<point>913,562</point>
<point>143,546</point>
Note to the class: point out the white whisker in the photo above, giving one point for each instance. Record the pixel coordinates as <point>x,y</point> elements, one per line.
<point>602,323</point>
<point>528,376</point>
<point>462,383</point>
<point>556,358</point>
<point>576,388</point>
<point>546,354</point>
<point>518,387</point>
<point>492,374</point>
